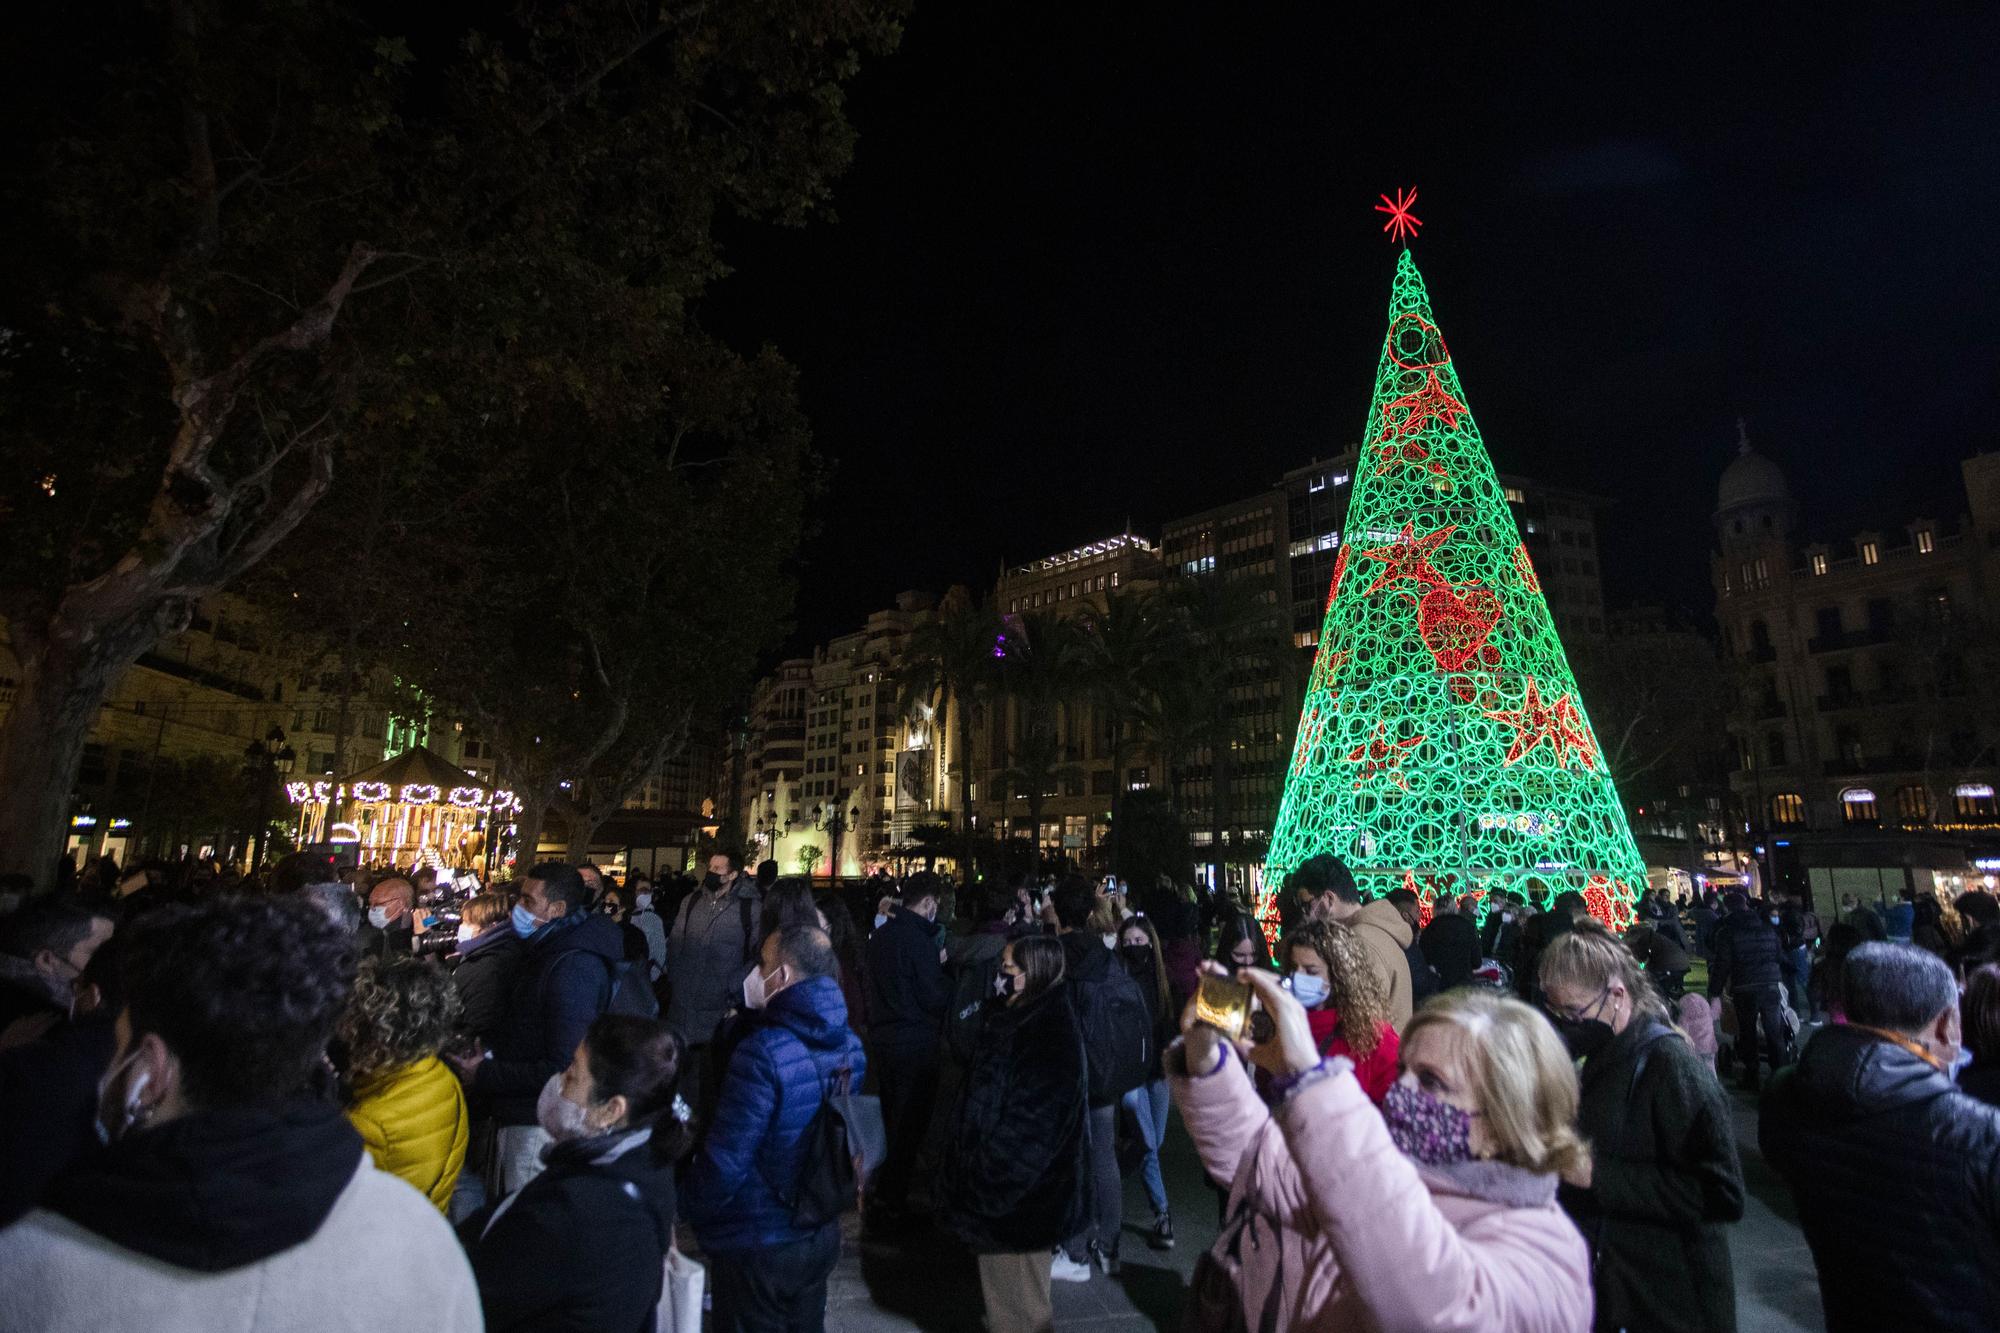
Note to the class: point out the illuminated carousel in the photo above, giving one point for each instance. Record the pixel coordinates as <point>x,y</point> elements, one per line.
<point>415,809</point>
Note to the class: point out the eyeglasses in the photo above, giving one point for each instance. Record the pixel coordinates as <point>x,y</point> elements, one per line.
<point>1587,1012</point>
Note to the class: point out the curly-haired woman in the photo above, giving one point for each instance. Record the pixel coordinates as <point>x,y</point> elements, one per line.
<point>1328,970</point>
<point>406,1103</point>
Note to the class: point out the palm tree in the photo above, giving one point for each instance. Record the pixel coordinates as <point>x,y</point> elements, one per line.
<point>949,662</point>
<point>1119,651</point>
<point>1038,674</point>
<point>1233,625</point>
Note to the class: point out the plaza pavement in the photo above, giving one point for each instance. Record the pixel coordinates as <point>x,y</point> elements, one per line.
<point>927,1282</point>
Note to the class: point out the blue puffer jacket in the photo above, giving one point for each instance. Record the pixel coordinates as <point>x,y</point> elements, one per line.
<point>741,1181</point>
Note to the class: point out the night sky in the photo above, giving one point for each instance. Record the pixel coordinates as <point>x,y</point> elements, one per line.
<point>1094,266</point>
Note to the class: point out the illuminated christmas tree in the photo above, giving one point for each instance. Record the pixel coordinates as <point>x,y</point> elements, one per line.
<point>1442,744</point>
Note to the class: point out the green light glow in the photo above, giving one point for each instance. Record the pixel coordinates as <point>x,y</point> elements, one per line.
<point>1442,744</point>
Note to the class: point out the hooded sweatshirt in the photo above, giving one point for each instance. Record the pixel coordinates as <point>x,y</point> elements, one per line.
<point>1383,932</point>
<point>267,1217</point>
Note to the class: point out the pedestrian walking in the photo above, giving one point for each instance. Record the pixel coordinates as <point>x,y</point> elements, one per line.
<point>1746,961</point>
<point>711,946</point>
<point>1145,1107</point>
<point>907,995</point>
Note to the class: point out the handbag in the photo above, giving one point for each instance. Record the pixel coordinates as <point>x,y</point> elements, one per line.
<point>682,1295</point>
<point>1215,1290</point>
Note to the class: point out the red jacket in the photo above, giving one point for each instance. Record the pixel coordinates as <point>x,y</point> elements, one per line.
<point>1378,1071</point>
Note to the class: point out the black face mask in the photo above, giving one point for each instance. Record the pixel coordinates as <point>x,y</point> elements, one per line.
<point>1138,957</point>
<point>1585,1037</point>
<point>712,882</point>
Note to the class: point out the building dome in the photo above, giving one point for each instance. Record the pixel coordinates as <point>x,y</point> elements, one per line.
<point>1751,479</point>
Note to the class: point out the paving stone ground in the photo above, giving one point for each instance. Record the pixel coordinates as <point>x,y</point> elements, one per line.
<point>925,1281</point>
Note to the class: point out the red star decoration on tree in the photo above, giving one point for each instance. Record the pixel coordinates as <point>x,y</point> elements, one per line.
<point>1525,569</point>
<point>1614,912</point>
<point>1411,414</point>
<point>1378,755</point>
<point>1408,557</point>
<point>1557,723</point>
<point>1402,224</point>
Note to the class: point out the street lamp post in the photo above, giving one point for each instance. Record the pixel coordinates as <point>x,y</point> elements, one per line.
<point>266,761</point>
<point>835,821</point>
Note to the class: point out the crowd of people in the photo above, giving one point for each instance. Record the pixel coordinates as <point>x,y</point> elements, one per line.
<point>372,1099</point>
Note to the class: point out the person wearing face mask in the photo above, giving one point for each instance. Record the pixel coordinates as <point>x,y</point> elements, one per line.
<point>488,953</point>
<point>1144,1108</point>
<point>906,1003</point>
<point>389,930</point>
<point>231,1192</point>
<point>1884,1155</point>
<point>650,924</point>
<point>582,1245</point>
<point>712,944</point>
<point>1437,1211</point>
<point>768,1268</point>
<point>44,948</point>
<point>1012,1184</point>
<point>1745,962</point>
<point>1327,970</point>
<point>569,961</point>
<point>1663,1180</point>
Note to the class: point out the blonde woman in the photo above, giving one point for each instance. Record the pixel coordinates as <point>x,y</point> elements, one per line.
<point>1331,974</point>
<point>1437,1212</point>
<point>1663,1179</point>
<point>405,1102</point>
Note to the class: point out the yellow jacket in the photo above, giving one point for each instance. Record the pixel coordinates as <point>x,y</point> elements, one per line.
<point>414,1121</point>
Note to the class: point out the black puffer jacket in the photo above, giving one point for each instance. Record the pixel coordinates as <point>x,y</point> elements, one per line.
<point>1665,1180</point>
<point>484,974</point>
<point>583,1245</point>
<point>1014,1174</point>
<point>1897,1178</point>
<point>562,984</point>
<point>1744,952</point>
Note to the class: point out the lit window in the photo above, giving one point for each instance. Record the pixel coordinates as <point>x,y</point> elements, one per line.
<point>1871,554</point>
<point>1857,805</point>
<point>1819,563</point>
<point>1317,483</point>
<point>1925,543</point>
<point>1514,495</point>
<point>1911,803</point>
<point>1788,808</point>
<point>1763,573</point>
<point>1974,800</point>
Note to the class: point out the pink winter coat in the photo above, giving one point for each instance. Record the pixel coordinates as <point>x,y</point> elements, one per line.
<point>1358,1237</point>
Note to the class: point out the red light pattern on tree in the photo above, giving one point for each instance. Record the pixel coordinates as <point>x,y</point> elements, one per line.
<point>1408,557</point>
<point>1526,570</point>
<point>1614,911</point>
<point>1402,224</point>
<point>1559,724</point>
<point>1379,755</point>
<point>1455,622</point>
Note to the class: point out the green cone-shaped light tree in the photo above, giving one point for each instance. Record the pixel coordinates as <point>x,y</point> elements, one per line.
<point>1442,745</point>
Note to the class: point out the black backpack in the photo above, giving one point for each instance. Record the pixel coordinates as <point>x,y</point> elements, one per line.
<point>972,987</point>
<point>1117,1034</point>
<point>631,991</point>
<point>831,1168</point>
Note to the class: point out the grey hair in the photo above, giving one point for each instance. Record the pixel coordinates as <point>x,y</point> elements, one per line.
<point>338,902</point>
<point>1895,986</point>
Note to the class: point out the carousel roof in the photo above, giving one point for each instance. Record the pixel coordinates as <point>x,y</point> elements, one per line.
<point>418,765</point>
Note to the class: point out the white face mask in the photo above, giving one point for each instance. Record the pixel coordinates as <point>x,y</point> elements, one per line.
<point>643,901</point>
<point>466,934</point>
<point>880,921</point>
<point>378,917</point>
<point>561,1117</point>
<point>1110,939</point>
<point>756,993</point>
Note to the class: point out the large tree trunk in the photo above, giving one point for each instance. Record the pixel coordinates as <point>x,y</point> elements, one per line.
<point>1117,794</point>
<point>528,832</point>
<point>64,678</point>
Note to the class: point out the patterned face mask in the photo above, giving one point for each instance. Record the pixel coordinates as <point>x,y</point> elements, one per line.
<point>1427,1130</point>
